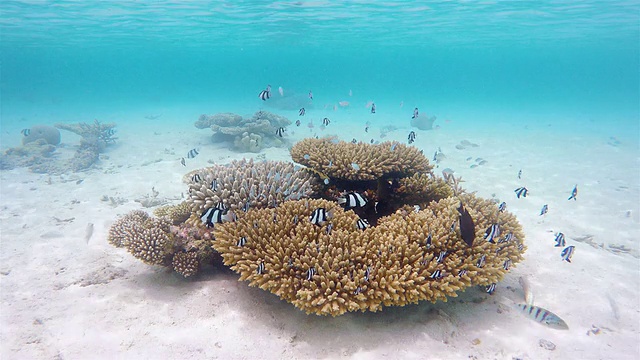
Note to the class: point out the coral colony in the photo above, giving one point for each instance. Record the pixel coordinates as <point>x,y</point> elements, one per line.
<point>330,237</point>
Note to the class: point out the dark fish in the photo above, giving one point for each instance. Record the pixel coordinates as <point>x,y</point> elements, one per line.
<point>462,272</point>
<point>196,178</point>
<point>415,113</point>
<point>519,174</point>
<point>574,193</point>
<point>436,274</point>
<point>280,131</point>
<point>310,95</point>
<point>242,241</point>
<point>412,137</point>
<point>319,216</point>
<point>467,227</point>
<point>326,121</point>
<point>352,200</point>
<point>567,253</point>
<point>214,184</point>
<point>329,228</point>
<point>302,111</point>
<point>353,141</point>
<point>429,240</point>
<point>371,141</point>
<point>192,153</point>
<point>481,262</point>
<point>260,269</point>
<point>366,129</point>
<point>492,232</point>
<point>521,191</point>
<point>367,273</point>
<point>265,94</point>
<point>362,224</point>
<point>507,238</point>
<point>544,210</point>
<point>542,316</point>
<point>491,289</point>
<point>310,273</point>
<point>25,132</point>
<point>298,122</point>
<point>184,163</point>
<point>246,206</point>
<point>373,108</point>
<point>502,207</point>
<point>507,264</point>
<point>441,256</point>
<point>559,240</point>
<point>215,215</point>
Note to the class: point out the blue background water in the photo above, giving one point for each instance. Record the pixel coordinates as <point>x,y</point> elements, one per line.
<point>573,64</point>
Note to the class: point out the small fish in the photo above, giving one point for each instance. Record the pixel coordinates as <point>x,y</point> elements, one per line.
<point>412,137</point>
<point>183,162</point>
<point>462,272</point>
<point>355,166</point>
<point>373,108</point>
<point>492,232</point>
<point>372,141</point>
<point>192,153</point>
<point>491,289</point>
<point>353,141</point>
<point>567,253</point>
<point>542,316</point>
<point>507,238</point>
<point>453,226</point>
<point>326,121</point>
<point>310,273</point>
<point>507,264</point>
<point>366,129</point>
<point>560,242</point>
<point>367,273</point>
<point>358,291</point>
<point>310,95</point>
<point>298,122</point>
<point>319,216</point>
<point>436,274</point>
<point>242,241</point>
<point>246,206</point>
<point>280,131</point>
<point>216,215</point>
<point>281,90</point>
<point>544,210</point>
<point>196,178</point>
<point>482,261</point>
<point>519,174</point>
<point>88,233</point>
<point>502,207</point>
<point>362,224</point>
<point>469,158</point>
<point>329,228</point>
<point>467,227</point>
<point>295,220</point>
<point>574,193</point>
<point>260,269</point>
<point>521,191</point>
<point>352,200</point>
<point>429,241</point>
<point>25,132</point>
<point>302,111</point>
<point>265,94</point>
<point>393,146</point>
<point>415,113</point>
<point>214,184</point>
<point>441,256</point>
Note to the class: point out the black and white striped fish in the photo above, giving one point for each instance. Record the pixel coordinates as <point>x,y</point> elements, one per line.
<point>246,206</point>
<point>329,228</point>
<point>280,131</point>
<point>302,111</point>
<point>428,242</point>
<point>567,253</point>
<point>310,273</point>
<point>559,240</point>
<point>507,264</point>
<point>25,132</point>
<point>214,184</point>
<point>502,207</point>
<point>507,238</point>
<point>260,269</point>
<point>242,241</point>
<point>542,316</point>
<point>357,291</point>
<point>265,94</point>
<point>441,256</point>
<point>192,153</point>
<point>492,232</point>
<point>196,178</point>
<point>319,216</point>
<point>544,210</point>
<point>354,141</point>
<point>453,227</point>
<point>362,224</point>
<point>521,191</point>
<point>298,122</point>
<point>352,200</point>
<point>415,113</point>
<point>481,262</point>
<point>436,274</point>
<point>491,289</point>
<point>367,273</point>
<point>373,108</point>
<point>326,121</point>
<point>462,272</point>
<point>215,215</point>
<point>412,137</point>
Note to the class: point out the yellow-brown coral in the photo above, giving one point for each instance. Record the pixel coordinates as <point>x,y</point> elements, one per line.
<point>145,237</point>
<point>176,214</point>
<point>186,263</point>
<point>331,271</point>
<point>360,161</point>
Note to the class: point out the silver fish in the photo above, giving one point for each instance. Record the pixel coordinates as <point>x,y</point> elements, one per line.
<point>542,316</point>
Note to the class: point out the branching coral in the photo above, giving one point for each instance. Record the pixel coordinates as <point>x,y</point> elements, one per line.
<point>145,237</point>
<point>331,271</point>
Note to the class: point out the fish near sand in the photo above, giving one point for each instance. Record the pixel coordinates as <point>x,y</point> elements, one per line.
<point>544,210</point>
<point>183,162</point>
<point>574,193</point>
<point>521,191</point>
<point>467,227</point>
<point>536,313</point>
<point>192,153</point>
<point>567,253</point>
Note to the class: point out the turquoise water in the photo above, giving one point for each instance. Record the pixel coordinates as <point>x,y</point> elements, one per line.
<point>574,65</point>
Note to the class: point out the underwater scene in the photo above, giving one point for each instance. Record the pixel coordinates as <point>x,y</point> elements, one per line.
<point>319,179</point>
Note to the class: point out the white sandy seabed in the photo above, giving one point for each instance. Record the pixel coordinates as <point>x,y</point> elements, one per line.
<point>64,298</point>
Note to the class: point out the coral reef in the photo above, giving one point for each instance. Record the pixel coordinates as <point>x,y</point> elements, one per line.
<point>96,135</point>
<point>186,263</point>
<point>35,154</point>
<point>423,122</point>
<point>50,134</point>
<point>247,134</point>
<point>176,214</point>
<point>332,271</point>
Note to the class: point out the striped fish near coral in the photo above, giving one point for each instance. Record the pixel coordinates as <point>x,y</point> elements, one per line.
<point>352,200</point>
<point>192,153</point>
<point>265,94</point>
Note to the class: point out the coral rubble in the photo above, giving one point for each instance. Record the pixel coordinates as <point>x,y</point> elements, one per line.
<point>50,134</point>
